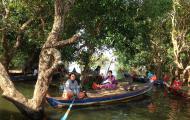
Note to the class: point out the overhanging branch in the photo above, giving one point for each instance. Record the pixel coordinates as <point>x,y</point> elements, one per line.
<point>63,43</point>
<point>21,30</point>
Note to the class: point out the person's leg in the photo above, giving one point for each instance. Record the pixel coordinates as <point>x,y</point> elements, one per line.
<point>67,95</point>
<point>95,86</point>
<point>81,95</point>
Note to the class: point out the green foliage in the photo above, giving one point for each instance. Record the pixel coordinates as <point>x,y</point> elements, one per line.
<point>35,34</point>
<point>145,36</point>
<point>18,60</point>
<point>138,30</point>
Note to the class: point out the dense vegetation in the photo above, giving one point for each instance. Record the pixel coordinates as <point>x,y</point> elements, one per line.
<point>142,32</point>
<point>148,33</point>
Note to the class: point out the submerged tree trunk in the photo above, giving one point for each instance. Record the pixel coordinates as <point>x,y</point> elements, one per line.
<point>49,59</point>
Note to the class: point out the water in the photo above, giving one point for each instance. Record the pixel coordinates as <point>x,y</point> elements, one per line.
<point>155,106</point>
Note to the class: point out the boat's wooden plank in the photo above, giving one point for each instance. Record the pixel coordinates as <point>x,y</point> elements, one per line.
<point>105,92</point>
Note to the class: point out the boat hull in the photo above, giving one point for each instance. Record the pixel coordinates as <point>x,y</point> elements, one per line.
<point>109,99</point>
<point>23,78</point>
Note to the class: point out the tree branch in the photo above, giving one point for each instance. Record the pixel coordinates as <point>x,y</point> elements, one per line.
<point>42,23</point>
<point>63,43</point>
<point>21,30</point>
<point>186,69</point>
<point>68,6</point>
<point>6,10</point>
<point>4,41</point>
<point>50,57</point>
<point>57,61</point>
<point>8,87</point>
<point>24,25</point>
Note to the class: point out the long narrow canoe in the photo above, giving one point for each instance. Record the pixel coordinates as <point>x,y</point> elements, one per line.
<point>23,78</point>
<point>102,96</point>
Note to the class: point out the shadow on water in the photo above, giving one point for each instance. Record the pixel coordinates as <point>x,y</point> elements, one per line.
<point>10,115</point>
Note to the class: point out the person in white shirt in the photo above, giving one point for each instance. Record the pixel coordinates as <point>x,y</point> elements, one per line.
<point>72,88</point>
<point>35,72</point>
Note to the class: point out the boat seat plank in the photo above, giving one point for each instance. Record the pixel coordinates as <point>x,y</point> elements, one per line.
<point>105,92</point>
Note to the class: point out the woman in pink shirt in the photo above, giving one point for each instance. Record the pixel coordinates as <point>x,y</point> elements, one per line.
<point>109,83</point>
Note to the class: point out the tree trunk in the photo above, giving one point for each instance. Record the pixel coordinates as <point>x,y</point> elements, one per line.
<point>50,58</point>
<point>159,71</point>
<point>6,61</point>
<point>174,36</point>
<point>10,93</point>
<point>179,32</point>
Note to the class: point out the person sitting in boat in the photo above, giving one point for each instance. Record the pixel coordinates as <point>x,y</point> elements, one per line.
<point>72,88</point>
<point>125,73</point>
<point>176,84</point>
<point>151,76</point>
<point>97,70</point>
<point>35,72</point>
<point>166,77</point>
<point>134,75</point>
<point>137,78</point>
<point>109,83</point>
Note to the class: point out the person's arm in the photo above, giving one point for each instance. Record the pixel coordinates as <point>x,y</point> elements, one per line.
<point>113,80</point>
<point>76,88</point>
<point>67,86</point>
<point>105,78</point>
<point>106,81</point>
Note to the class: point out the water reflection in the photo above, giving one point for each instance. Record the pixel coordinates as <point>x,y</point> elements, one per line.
<point>156,106</point>
<point>151,107</point>
<point>179,109</point>
<point>173,104</point>
<point>10,115</point>
<point>120,111</point>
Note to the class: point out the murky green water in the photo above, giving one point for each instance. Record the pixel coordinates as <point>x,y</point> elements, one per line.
<point>155,106</point>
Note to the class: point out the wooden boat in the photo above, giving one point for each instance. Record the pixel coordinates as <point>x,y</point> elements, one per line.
<point>103,96</point>
<point>141,79</point>
<point>159,83</point>
<point>145,80</point>
<point>183,92</point>
<point>29,77</point>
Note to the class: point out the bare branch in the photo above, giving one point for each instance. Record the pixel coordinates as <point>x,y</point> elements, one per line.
<point>42,24</point>
<point>63,43</point>
<point>23,27</point>
<point>186,69</point>
<point>6,10</point>
<point>68,6</point>
<point>21,30</point>
<point>82,46</point>
<point>3,40</point>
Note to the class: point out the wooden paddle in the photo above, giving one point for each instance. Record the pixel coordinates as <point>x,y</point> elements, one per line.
<point>68,110</point>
